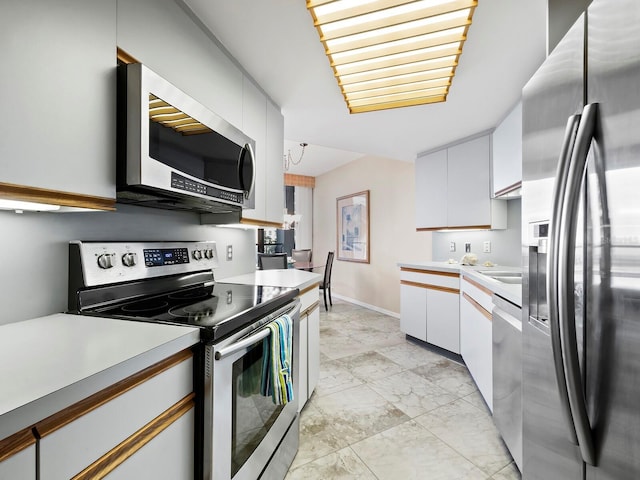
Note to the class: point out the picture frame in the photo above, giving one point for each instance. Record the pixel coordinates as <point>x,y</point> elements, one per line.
<point>352,214</point>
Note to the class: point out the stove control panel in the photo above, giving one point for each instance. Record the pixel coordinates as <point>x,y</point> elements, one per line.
<point>104,263</point>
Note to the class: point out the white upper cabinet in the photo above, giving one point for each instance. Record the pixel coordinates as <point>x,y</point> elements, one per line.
<point>263,122</point>
<point>453,188</point>
<point>275,165</point>
<point>507,153</point>
<point>431,189</point>
<point>469,194</point>
<point>59,85</point>
<point>254,124</point>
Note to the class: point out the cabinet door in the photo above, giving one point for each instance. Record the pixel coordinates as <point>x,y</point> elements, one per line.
<point>314,349</point>
<point>443,319</point>
<point>274,207</point>
<point>168,455</point>
<point>58,127</point>
<point>476,346</point>
<point>303,372</point>
<point>468,181</point>
<point>413,311</point>
<point>18,456</point>
<point>507,152</point>
<point>254,124</point>
<point>431,190</point>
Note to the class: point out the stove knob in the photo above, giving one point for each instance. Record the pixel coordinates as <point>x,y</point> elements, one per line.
<point>129,259</point>
<point>105,261</point>
<point>208,253</point>
<point>197,254</point>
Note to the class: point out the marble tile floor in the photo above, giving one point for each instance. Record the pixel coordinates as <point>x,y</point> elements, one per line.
<point>386,408</point>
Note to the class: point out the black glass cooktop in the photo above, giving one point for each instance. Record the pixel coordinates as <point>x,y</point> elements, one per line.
<point>219,309</point>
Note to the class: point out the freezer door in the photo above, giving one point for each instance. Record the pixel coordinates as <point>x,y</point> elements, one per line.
<point>613,295</point>
<point>554,94</point>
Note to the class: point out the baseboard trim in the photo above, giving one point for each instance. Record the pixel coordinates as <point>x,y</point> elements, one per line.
<point>365,305</point>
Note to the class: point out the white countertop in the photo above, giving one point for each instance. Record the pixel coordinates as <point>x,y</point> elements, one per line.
<point>512,292</point>
<point>291,278</point>
<point>49,363</point>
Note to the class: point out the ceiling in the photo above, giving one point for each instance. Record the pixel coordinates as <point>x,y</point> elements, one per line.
<point>276,43</point>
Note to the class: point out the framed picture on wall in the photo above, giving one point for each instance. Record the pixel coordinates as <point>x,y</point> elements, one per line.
<point>353,227</point>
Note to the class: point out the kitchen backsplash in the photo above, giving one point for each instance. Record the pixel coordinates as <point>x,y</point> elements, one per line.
<point>506,245</point>
<point>34,247</point>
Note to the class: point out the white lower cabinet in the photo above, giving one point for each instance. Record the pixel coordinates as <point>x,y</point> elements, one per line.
<point>430,307</point>
<point>476,337</point>
<point>96,435</point>
<point>413,311</point>
<point>18,456</point>
<point>313,346</point>
<point>443,321</point>
<point>168,455</point>
<point>309,357</point>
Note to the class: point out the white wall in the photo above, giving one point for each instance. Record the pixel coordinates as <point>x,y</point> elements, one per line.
<point>392,228</point>
<point>34,250</point>
<point>506,245</point>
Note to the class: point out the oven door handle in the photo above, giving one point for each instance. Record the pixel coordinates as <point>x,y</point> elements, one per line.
<point>256,337</point>
<point>244,343</point>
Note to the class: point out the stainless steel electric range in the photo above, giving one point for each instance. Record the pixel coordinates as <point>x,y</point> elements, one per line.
<point>240,435</point>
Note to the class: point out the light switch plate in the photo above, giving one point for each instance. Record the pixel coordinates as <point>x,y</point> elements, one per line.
<point>452,246</point>
<point>229,252</point>
<point>486,246</point>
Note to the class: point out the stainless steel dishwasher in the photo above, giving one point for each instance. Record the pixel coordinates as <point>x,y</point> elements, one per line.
<point>507,374</point>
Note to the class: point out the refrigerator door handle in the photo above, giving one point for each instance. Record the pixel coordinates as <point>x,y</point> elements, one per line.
<point>566,263</point>
<point>552,268</point>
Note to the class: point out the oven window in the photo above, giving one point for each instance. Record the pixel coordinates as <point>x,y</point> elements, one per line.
<point>252,414</point>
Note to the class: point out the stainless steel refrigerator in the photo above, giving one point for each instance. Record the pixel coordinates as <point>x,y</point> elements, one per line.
<point>581,236</point>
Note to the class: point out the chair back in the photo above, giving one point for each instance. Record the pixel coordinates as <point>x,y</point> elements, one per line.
<point>272,261</point>
<point>303,255</point>
<point>327,271</point>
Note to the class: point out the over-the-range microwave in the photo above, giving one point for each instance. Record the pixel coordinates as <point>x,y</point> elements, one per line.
<point>174,153</point>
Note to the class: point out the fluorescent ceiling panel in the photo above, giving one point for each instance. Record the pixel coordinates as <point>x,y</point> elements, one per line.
<point>392,53</point>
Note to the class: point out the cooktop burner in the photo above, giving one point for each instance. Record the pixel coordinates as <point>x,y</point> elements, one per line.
<point>210,308</point>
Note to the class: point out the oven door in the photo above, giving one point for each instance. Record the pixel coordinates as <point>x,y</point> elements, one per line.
<point>243,429</point>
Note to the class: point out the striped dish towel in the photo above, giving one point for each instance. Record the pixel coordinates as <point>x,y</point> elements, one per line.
<point>277,373</point>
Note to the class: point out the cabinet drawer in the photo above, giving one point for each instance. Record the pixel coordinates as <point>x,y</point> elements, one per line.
<point>433,278</point>
<point>76,437</point>
<point>308,296</point>
<point>480,294</point>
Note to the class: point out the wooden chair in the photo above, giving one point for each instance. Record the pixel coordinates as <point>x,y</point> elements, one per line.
<point>325,285</point>
<point>272,261</point>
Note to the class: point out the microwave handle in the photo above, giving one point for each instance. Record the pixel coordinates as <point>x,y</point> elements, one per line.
<point>248,150</point>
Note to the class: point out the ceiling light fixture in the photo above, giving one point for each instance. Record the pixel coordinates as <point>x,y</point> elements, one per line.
<point>392,53</point>
<point>288,161</point>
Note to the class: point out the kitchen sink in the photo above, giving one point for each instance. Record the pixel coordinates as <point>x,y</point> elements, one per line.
<point>500,273</point>
<point>511,280</point>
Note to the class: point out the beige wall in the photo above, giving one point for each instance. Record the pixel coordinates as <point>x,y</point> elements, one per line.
<point>393,232</point>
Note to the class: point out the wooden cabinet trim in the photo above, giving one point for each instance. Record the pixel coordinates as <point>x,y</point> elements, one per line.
<point>75,411</point>
<point>461,227</point>
<point>26,193</point>
<point>478,307</point>
<point>430,272</point>
<point>477,285</point>
<point>16,443</point>
<point>125,57</point>
<point>309,288</point>
<point>311,308</point>
<point>429,286</point>
<point>119,454</point>
<point>260,223</point>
